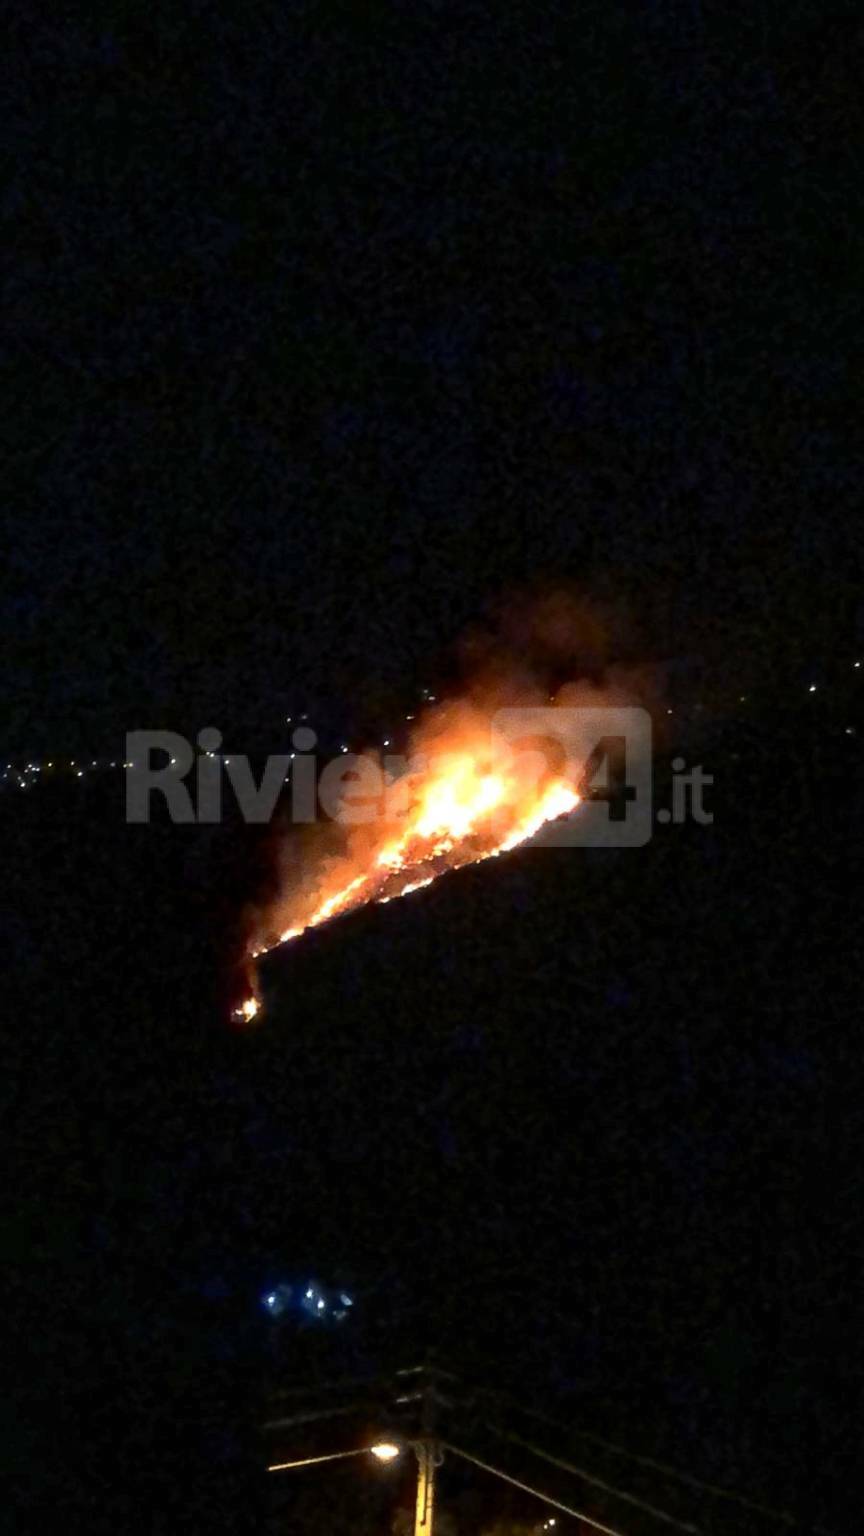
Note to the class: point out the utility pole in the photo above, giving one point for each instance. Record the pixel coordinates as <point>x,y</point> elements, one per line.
<point>429,1448</point>
<point>429,1455</point>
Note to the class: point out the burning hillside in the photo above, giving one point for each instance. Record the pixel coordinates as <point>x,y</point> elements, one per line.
<point>484,770</point>
<point>459,793</point>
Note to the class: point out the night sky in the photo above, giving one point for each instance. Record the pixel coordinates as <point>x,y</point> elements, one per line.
<point>321,328</point>
<point>331,331</point>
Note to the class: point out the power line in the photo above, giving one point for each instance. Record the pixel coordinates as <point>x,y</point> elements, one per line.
<point>782,1516</point>
<point>597,1482</point>
<point>507,1398</point>
<point>565,1509</point>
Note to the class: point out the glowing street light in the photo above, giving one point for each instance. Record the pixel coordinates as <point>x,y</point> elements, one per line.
<point>386,1450</point>
<point>382,1450</point>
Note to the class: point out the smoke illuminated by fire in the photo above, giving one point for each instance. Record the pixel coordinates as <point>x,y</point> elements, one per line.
<point>459,809</point>
<point>453,798</point>
<point>460,805</point>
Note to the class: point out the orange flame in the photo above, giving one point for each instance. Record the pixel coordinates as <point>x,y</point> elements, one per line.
<point>463,805</point>
<point>247,1010</point>
<point>465,802</point>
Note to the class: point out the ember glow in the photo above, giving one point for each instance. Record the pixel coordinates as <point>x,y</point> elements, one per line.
<point>247,1010</point>
<point>452,827</point>
<point>464,804</point>
<point>461,788</point>
<point>450,824</point>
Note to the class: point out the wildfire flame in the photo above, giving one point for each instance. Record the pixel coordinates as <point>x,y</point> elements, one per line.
<point>452,799</point>
<point>462,806</point>
<point>449,826</point>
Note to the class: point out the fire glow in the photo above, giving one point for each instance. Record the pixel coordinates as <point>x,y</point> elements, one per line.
<point>465,804</point>
<point>459,813</point>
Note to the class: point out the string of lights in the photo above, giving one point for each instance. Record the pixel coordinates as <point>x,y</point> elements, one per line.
<point>27,775</point>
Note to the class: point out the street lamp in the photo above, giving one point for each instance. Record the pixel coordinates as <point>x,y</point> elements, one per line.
<point>428,1459</point>
<point>382,1450</point>
<point>429,1449</point>
<point>386,1450</point>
